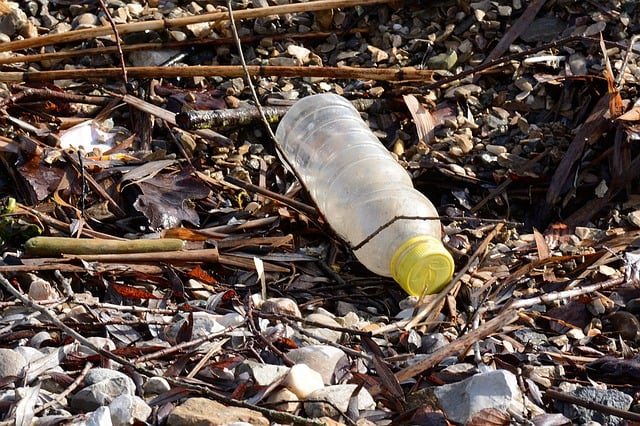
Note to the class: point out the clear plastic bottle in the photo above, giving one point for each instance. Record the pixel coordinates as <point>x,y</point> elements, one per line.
<point>359,187</point>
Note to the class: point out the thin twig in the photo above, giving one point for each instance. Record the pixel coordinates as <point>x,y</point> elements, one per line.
<point>183,346</point>
<point>559,295</point>
<point>68,390</point>
<point>46,93</point>
<point>380,74</point>
<point>429,308</point>
<point>297,205</point>
<point>116,36</point>
<point>458,345</point>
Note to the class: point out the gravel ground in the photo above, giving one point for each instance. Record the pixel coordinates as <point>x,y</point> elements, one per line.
<point>515,118</point>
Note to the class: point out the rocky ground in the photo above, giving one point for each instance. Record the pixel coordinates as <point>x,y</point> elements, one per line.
<point>516,118</point>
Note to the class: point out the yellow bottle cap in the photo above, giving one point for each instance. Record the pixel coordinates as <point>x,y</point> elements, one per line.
<point>422,264</point>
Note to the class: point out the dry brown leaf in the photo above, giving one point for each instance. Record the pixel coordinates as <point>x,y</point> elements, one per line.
<point>490,417</point>
<point>132,292</point>
<point>425,125</point>
<point>616,108</point>
<point>541,245</point>
<point>632,115</point>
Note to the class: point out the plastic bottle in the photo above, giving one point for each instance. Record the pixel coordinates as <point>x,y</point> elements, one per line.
<point>359,187</point>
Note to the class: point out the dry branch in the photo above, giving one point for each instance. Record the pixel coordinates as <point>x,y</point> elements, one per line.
<point>381,74</point>
<point>458,345</point>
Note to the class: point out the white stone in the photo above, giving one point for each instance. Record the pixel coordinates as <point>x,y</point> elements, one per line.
<point>284,400</point>
<point>128,409</point>
<point>156,385</point>
<point>100,417</point>
<point>302,380</point>
<point>326,360</point>
<point>281,305</point>
<point>494,389</point>
<point>299,52</point>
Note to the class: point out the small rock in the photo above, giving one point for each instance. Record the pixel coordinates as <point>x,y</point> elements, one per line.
<point>156,386</point>
<point>345,308</point>
<point>457,169</point>
<point>528,336</point>
<point>337,396</point>
<point>103,386</point>
<point>504,11</point>
<point>543,374</point>
<point>135,9</point>
<point>199,29</point>
<point>281,305</point>
<point>609,397</point>
<point>283,61</point>
<point>262,374</point>
<point>29,30</point>
<point>496,149</point>
<point>178,35</point>
<point>634,218</point>
<point>85,20</point>
<point>592,234</point>
<point>99,342</point>
<point>377,54</point>
<point>443,61</point>
<point>12,23</point>
<point>128,409</point>
<point>11,362</point>
<point>151,57</point>
<point>463,141</point>
<point>302,380</point>
<point>575,334</point>
<point>300,53</point>
<point>523,84</point>
<point>432,342</point>
<point>284,400</point>
<point>495,389</point>
<point>559,341</point>
<point>28,353</point>
<point>324,333</point>
<point>625,324</point>
<point>99,417</point>
<point>39,339</point>
<point>330,362</point>
<point>205,412</point>
<point>578,64</point>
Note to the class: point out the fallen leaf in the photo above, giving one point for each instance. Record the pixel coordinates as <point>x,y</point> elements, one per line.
<point>166,200</point>
<point>425,125</point>
<point>130,292</point>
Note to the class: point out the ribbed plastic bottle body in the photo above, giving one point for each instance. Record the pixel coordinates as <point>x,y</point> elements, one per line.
<point>353,179</point>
